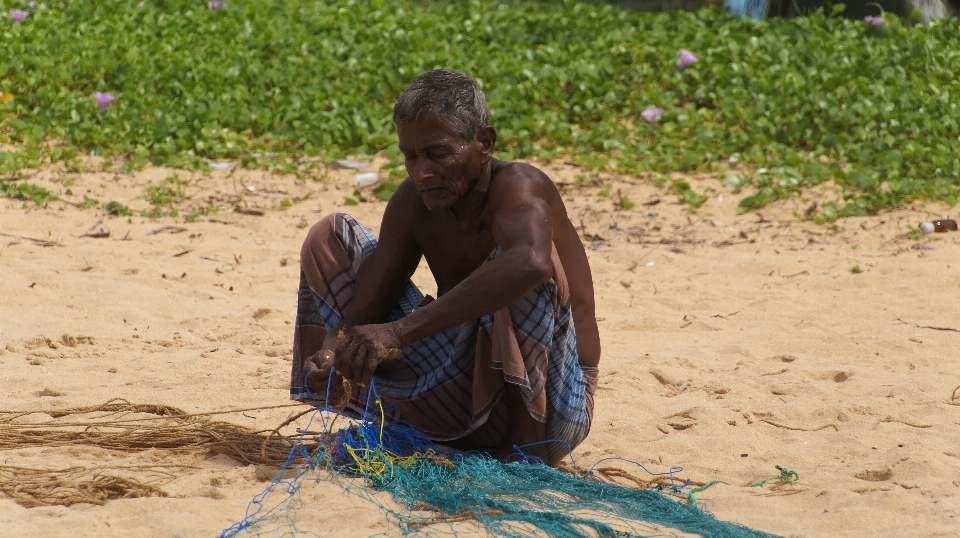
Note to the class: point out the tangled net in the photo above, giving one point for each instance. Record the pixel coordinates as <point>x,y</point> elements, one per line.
<point>433,486</point>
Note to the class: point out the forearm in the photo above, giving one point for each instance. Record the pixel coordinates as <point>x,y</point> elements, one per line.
<point>494,285</point>
<point>374,295</point>
<point>588,338</point>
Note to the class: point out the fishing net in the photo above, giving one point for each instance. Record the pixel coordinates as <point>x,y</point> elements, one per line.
<point>423,488</point>
<point>435,488</point>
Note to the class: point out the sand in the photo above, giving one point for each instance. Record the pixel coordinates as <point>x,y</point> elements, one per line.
<point>731,344</point>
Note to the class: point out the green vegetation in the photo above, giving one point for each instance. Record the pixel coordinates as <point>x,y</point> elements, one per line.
<point>26,192</point>
<point>118,209</point>
<point>784,104</point>
<point>165,197</point>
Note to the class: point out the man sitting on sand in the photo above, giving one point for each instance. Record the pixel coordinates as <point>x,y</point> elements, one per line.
<point>507,354</point>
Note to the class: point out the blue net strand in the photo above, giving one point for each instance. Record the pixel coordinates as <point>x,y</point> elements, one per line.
<point>436,488</point>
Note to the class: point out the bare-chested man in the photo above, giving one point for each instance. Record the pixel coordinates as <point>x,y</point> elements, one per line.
<point>507,354</point>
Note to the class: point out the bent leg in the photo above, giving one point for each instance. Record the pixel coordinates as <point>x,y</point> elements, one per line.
<point>527,361</point>
<point>535,343</point>
<point>329,259</point>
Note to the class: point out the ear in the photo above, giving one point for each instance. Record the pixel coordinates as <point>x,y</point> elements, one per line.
<point>487,138</point>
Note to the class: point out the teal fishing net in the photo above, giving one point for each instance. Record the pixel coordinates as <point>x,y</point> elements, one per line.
<point>434,489</point>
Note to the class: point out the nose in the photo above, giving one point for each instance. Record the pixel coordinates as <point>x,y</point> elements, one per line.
<point>421,170</point>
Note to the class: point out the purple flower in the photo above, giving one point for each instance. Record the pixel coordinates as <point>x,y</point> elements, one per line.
<point>876,21</point>
<point>141,4</point>
<point>216,4</point>
<point>18,15</point>
<point>62,5</point>
<point>103,99</point>
<point>687,58</point>
<point>651,114</point>
<point>32,4</point>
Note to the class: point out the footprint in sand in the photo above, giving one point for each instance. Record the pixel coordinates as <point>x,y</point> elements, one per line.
<point>875,475</point>
<point>73,341</point>
<point>837,376</point>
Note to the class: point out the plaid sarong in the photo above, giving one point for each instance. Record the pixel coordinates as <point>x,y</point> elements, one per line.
<point>450,384</point>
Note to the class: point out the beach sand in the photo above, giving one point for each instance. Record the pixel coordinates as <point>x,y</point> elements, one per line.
<point>731,344</point>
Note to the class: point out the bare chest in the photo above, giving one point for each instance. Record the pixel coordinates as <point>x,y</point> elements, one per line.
<point>453,253</point>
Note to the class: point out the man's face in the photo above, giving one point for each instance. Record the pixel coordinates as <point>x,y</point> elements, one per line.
<point>444,166</point>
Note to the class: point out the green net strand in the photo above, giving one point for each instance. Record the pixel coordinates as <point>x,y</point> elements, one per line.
<point>436,489</point>
<point>786,476</point>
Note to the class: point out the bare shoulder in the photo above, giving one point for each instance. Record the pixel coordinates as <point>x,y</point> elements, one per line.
<point>404,207</point>
<point>513,179</point>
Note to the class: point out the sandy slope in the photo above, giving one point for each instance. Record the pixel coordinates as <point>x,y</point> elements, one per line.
<point>731,345</point>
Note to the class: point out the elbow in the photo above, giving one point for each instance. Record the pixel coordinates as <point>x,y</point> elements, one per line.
<point>538,267</point>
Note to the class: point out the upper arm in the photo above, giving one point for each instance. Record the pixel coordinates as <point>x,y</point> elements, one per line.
<point>398,250</point>
<point>522,217</point>
<point>384,273</point>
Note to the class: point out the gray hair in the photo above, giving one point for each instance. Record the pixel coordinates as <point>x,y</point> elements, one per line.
<point>456,98</point>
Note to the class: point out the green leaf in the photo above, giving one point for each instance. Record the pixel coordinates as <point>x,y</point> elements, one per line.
<point>385,190</point>
<point>353,199</point>
<point>116,208</point>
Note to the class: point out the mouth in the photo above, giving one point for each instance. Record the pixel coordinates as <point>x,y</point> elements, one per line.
<point>433,190</point>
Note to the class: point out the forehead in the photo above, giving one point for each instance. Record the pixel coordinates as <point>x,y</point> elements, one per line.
<point>427,131</point>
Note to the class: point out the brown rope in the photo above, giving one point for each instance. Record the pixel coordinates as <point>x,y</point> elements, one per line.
<point>48,487</point>
<point>614,472</point>
<point>440,517</point>
<point>108,426</point>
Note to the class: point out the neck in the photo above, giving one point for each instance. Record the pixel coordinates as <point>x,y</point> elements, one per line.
<point>471,204</point>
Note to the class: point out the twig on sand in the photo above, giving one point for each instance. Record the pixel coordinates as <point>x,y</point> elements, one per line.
<point>904,422</point>
<point>171,229</point>
<point>95,224</point>
<point>41,242</point>
<point>103,232</point>
<point>784,426</point>
<point>929,326</point>
<point>249,211</point>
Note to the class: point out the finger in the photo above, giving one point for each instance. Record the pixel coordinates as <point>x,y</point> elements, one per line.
<point>349,365</point>
<point>341,355</point>
<point>378,354</point>
<point>374,356</point>
<point>359,363</point>
<point>320,359</point>
<point>317,380</point>
<point>312,361</point>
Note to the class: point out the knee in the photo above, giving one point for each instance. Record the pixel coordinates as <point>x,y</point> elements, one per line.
<point>323,226</point>
<point>320,234</point>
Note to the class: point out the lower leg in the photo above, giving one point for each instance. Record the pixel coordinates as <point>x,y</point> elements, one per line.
<point>524,429</point>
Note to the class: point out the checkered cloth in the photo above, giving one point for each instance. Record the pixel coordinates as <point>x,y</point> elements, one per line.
<point>450,385</point>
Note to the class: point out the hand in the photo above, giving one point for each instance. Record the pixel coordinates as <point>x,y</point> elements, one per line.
<point>363,347</point>
<point>317,382</point>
